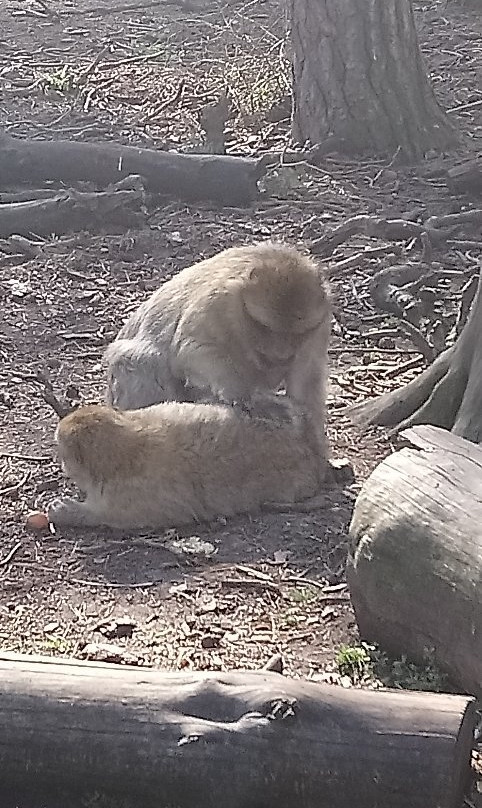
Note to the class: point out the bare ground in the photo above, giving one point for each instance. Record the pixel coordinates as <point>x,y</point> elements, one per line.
<point>97,71</point>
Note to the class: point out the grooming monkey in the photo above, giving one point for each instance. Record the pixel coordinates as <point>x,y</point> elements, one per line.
<point>175,463</point>
<point>241,322</point>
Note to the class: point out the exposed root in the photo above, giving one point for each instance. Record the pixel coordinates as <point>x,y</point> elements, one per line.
<point>397,406</point>
<point>447,394</point>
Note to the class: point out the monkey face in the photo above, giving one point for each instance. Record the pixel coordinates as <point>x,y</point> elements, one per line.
<point>282,316</point>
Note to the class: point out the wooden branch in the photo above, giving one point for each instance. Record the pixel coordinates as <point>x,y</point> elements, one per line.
<point>396,229</point>
<point>72,731</point>
<point>435,230</point>
<point>415,572</point>
<point>72,211</point>
<point>228,180</point>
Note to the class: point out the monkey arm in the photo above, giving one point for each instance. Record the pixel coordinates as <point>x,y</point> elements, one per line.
<point>137,375</point>
<point>306,378</point>
<point>306,385</point>
<point>205,367</point>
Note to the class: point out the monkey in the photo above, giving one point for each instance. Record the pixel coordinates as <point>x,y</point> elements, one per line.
<point>175,463</point>
<point>241,322</point>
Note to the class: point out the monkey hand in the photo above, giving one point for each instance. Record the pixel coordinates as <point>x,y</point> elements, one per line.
<point>266,407</point>
<point>67,511</point>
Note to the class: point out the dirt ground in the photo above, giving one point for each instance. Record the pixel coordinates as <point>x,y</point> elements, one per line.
<point>258,589</point>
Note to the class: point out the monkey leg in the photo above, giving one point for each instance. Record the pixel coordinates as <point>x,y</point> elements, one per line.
<point>67,511</point>
<point>138,376</point>
<point>211,374</point>
<point>339,472</point>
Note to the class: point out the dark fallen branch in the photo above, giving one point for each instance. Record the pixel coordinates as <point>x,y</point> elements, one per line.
<point>227,180</point>
<point>71,399</point>
<point>212,120</point>
<point>388,229</point>
<point>457,220</point>
<point>433,232</point>
<point>72,211</point>
<point>312,156</point>
<point>18,245</point>
<point>97,734</point>
<point>394,289</point>
<point>418,340</point>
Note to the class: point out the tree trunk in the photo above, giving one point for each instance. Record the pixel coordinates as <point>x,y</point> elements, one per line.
<point>446,394</point>
<point>415,567</point>
<point>359,78</point>
<point>140,737</point>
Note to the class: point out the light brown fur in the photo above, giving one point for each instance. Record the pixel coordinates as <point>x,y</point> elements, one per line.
<point>245,320</point>
<point>174,463</point>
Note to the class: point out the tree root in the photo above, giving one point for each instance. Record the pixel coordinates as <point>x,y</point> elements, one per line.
<point>434,231</point>
<point>397,406</point>
<point>447,394</point>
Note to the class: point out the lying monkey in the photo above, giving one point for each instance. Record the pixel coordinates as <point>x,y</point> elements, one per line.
<point>174,463</point>
<point>243,321</point>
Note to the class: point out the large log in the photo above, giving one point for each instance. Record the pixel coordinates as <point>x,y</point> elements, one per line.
<point>415,567</point>
<point>204,740</point>
<point>228,180</point>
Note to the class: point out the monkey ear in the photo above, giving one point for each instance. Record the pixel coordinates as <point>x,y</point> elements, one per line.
<point>254,274</point>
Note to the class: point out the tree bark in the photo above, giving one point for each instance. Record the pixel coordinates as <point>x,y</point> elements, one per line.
<point>359,77</point>
<point>204,740</point>
<point>446,394</point>
<point>415,566</point>
<point>228,180</point>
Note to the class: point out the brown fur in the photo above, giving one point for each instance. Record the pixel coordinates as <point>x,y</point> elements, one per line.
<point>174,463</point>
<point>245,320</point>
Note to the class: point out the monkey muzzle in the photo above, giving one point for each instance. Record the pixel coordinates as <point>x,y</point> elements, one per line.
<point>267,360</point>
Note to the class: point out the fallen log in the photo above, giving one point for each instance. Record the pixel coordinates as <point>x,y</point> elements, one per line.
<point>465,177</point>
<point>415,567</point>
<point>71,211</point>
<point>228,180</point>
<point>75,732</point>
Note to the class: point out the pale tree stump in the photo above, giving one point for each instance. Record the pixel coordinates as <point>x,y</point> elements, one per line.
<point>415,567</point>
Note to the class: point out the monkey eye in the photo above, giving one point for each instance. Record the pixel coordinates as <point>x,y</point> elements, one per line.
<point>262,328</point>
